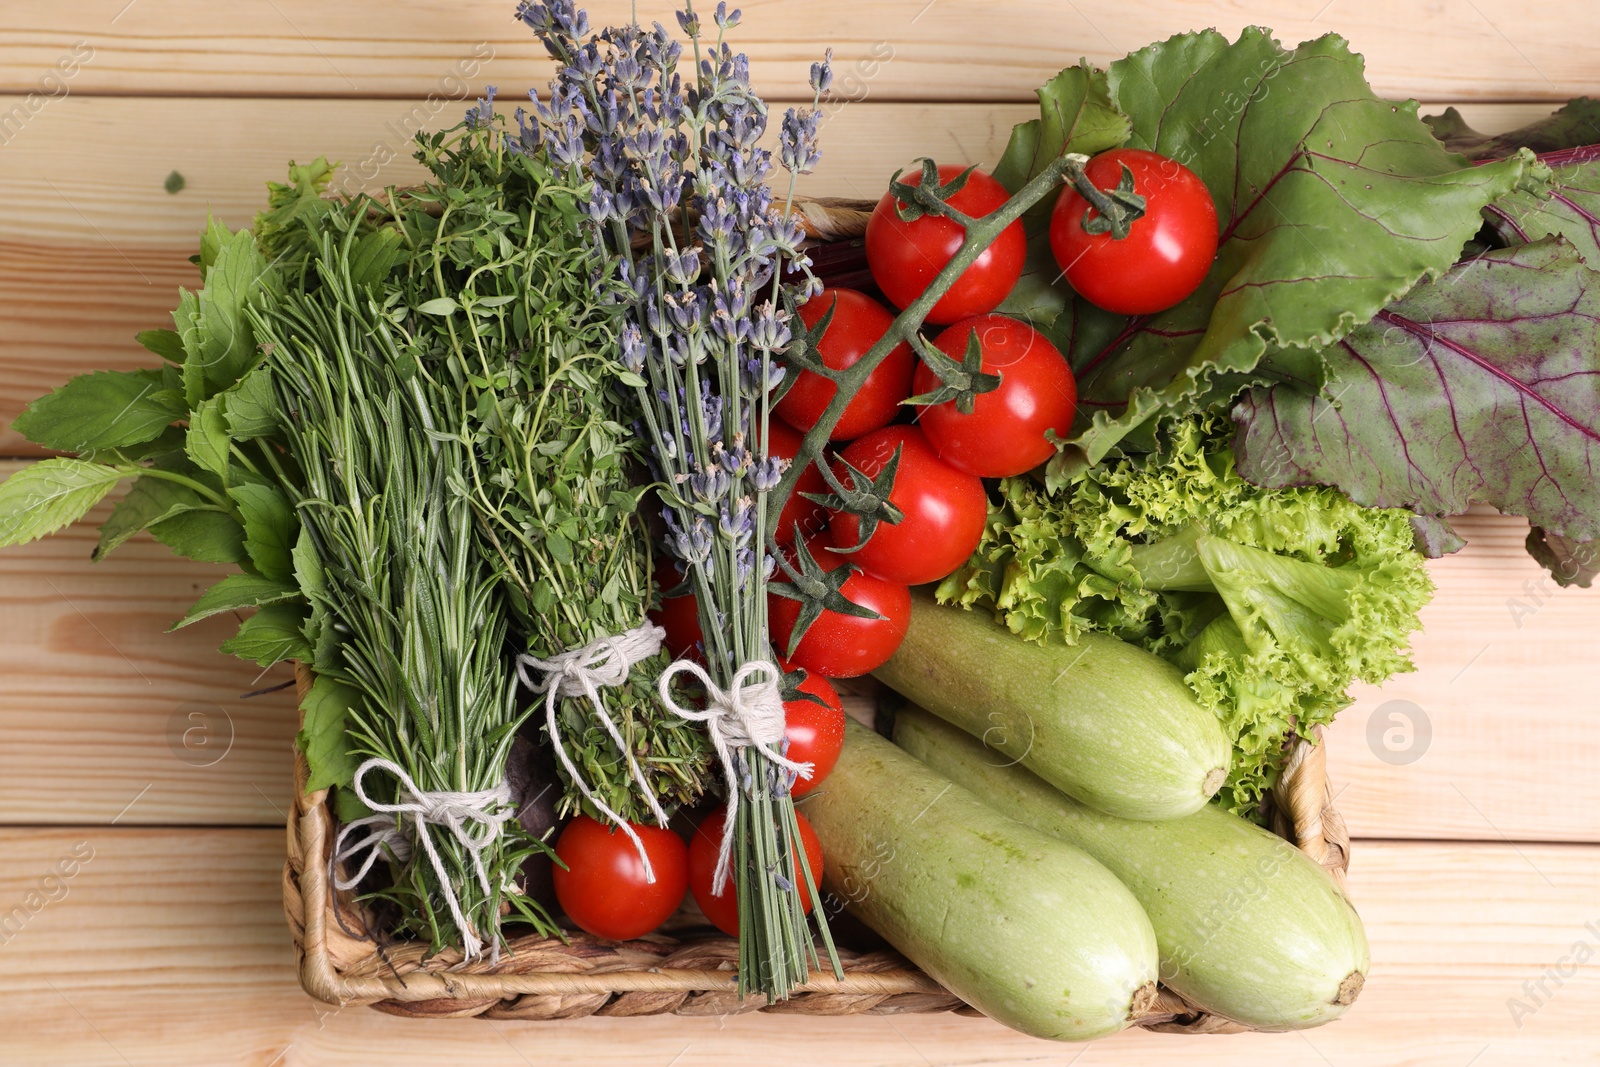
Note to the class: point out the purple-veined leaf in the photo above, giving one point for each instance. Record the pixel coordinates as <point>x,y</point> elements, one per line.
<point>1483,386</point>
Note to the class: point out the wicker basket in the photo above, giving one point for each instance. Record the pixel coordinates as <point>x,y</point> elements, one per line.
<point>345,960</point>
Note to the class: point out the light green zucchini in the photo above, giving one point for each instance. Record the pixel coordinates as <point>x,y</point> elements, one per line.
<point>1028,930</point>
<point>1113,725</point>
<point>1250,928</point>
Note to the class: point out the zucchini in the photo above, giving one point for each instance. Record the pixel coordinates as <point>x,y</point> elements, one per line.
<point>1111,724</point>
<point>1250,928</point>
<point>1030,931</point>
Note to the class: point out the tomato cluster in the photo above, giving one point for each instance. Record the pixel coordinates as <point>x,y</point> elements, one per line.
<point>600,882</point>
<point>1149,260</point>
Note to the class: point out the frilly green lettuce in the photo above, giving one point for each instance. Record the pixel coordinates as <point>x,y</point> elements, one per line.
<point>1273,600</point>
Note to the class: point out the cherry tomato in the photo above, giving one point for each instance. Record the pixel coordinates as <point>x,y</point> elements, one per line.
<point>943,510</point>
<point>722,909</point>
<point>1167,252</point>
<point>1005,434</point>
<point>678,615</point>
<point>837,645</point>
<point>858,323</point>
<point>797,510</point>
<point>815,732</point>
<point>604,890</point>
<point>905,256</point>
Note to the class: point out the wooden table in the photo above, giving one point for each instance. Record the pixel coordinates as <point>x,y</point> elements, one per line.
<point>142,798</point>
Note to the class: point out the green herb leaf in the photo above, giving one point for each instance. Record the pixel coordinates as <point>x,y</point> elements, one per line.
<point>210,536</point>
<point>325,716</point>
<point>207,441</point>
<point>149,501</point>
<point>103,409</point>
<point>1331,203</point>
<point>234,592</point>
<point>270,636</point>
<point>43,497</point>
<point>164,343</point>
<point>249,405</point>
<point>439,305</point>
<point>217,341</point>
<point>269,528</point>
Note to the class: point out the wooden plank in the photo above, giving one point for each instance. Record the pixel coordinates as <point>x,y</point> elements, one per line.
<point>168,948</point>
<point>1480,741</point>
<point>109,718</point>
<point>952,50</point>
<point>101,249</point>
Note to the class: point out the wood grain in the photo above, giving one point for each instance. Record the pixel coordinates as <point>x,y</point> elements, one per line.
<point>108,717</point>
<point>943,49</point>
<point>101,249</point>
<point>167,948</point>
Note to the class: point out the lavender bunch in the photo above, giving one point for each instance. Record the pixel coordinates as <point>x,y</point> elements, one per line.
<point>681,212</point>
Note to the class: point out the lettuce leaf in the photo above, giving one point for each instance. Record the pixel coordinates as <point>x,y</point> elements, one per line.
<point>1273,600</point>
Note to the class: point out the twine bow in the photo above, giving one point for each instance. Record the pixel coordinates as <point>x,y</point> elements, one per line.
<point>748,714</point>
<point>473,819</point>
<point>583,672</point>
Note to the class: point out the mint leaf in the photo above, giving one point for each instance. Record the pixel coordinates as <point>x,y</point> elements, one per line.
<point>102,409</point>
<point>270,636</point>
<point>1483,386</point>
<point>1331,203</point>
<point>269,529</point>
<point>149,501</point>
<point>43,497</point>
<point>213,324</point>
<point>234,592</point>
<point>209,535</point>
<point>207,441</point>
<point>164,343</point>
<point>323,737</point>
<point>250,407</point>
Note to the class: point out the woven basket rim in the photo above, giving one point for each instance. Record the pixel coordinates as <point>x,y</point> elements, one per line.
<point>341,963</point>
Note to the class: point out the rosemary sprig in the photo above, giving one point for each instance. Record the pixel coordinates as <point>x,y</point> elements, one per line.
<point>403,608</point>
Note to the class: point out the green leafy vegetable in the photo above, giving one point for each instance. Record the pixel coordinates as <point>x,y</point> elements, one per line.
<point>1331,202</point>
<point>43,497</point>
<point>1576,123</point>
<point>273,634</point>
<point>103,409</point>
<point>1273,601</point>
<point>1481,387</point>
<point>234,592</point>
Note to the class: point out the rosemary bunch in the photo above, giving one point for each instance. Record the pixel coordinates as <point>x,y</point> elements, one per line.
<point>680,167</point>
<point>403,607</point>
<point>516,350</point>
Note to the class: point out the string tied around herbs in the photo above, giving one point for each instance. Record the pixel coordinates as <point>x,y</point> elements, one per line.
<point>474,819</point>
<point>748,714</point>
<point>581,673</point>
